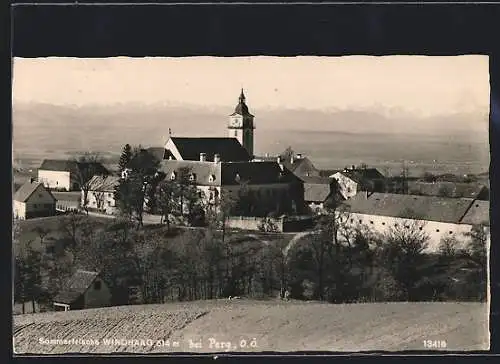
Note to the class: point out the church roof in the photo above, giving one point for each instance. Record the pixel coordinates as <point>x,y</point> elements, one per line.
<point>229,173</point>
<point>229,149</point>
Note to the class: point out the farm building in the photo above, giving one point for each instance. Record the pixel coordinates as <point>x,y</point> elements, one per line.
<point>64,175</point>
<point>84,289</point>
<point>318,190</point>
<point>67,201</point>
<point>353,180</point>
<point>437,217</point>
<point>101,196</point>
<point>33,199</point>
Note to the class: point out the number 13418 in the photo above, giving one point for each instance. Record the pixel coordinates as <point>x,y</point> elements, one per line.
<point>434,344</point>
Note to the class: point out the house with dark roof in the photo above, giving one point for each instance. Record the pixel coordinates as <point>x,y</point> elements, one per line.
<point>85,289</point>
<point>437,217</point>
<point>353,180</point>
<point>297,163</point>
<point>64,175</point>
<point>33,199</point>
<point>318,191</point>
<point>267,184</point>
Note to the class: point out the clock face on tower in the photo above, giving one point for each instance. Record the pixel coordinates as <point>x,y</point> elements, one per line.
<point>236,122</point>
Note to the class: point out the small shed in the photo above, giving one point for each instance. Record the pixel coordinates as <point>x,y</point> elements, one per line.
<point>85,289</point>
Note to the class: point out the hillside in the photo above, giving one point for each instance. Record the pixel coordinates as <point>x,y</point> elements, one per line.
<point>276,326</point>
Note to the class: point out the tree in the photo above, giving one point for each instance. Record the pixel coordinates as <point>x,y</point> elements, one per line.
<point>445,191</point>
<point>132,191</point>
<point>29,279</point>
<point>87,166</point>
<point>167,199</point>
<point>403,252</point>
<point>125,158</point>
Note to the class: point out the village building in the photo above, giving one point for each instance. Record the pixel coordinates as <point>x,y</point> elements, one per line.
<point>268,185</point>
<point>63,175</point>
<point>296,163</point>
<point>437,217</point>
<point>85,289</point>
<point>33,199</point>
<point>353,180</point>
<point>318,191</point>
<point>100,196</point>
<point>67,201</point>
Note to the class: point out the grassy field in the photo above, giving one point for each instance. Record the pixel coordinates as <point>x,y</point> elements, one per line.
<point>275,326</point>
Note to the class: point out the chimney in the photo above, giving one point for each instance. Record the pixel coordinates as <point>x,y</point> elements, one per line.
<point>280,162</point>
<point>203,157</point>
<point>367,194</point>
<point>291,158</point>
<point>216,158</point>
<point>32,180</point>
<point>353,167</point>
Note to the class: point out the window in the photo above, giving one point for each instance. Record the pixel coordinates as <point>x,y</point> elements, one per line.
<point>420,228</point>
<point>109,203</point>
<point>371,222</point>
<point>192,177</point>
<point>451,232</point>
<point>349,189</point>
<point>352,220</point>
<point>97,285</point>
<point>360,221</point>
<point>235,133</point>
<point>35,205</point>
<point>437,230</point>
<point>383,223</point>
<point>173,176</point>
<point>211,178</point>
<point>110,195</point>
<point>395,225</point>
<point>407,226</point>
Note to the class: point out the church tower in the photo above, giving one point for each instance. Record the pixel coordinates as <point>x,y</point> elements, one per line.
<point>241,125</point>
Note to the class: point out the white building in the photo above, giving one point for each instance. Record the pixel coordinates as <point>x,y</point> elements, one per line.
<point>353,180</point>
<point>438,217</point>
<point>33,200</point>
<point>100,197</point>
<point>63,175</point>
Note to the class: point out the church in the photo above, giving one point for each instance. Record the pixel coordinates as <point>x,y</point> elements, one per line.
<point>221,167</point>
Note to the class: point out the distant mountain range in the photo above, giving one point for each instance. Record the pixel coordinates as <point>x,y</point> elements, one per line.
<point>42,130</point>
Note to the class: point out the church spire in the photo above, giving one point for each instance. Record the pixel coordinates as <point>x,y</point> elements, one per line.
<point>242,97</point>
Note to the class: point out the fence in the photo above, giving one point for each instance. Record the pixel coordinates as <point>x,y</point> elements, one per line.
<point>280,224</point>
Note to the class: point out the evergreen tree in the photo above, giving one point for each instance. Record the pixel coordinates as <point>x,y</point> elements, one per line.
<point>125,158</point>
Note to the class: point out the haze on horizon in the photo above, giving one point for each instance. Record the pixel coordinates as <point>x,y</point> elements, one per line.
<point>420,85</point>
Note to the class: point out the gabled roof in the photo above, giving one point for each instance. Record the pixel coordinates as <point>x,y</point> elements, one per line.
<point>58,165</point>
<point>229,149</point>
<point>102,183</point>
<point>431,208</point>
<point>361,175</point>
<point>67,196</point>
<point>27,189</point>
<point>229,173</point>
<point>76,286</point>
<point>478,213</point>
<point>316,192</point>
<point>316,180</point>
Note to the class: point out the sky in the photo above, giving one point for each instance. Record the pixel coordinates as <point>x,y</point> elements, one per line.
<point>419,84</point>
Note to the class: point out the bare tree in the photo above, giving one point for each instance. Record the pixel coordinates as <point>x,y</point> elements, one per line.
<point>87,166</point>
<point>404,249</point>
